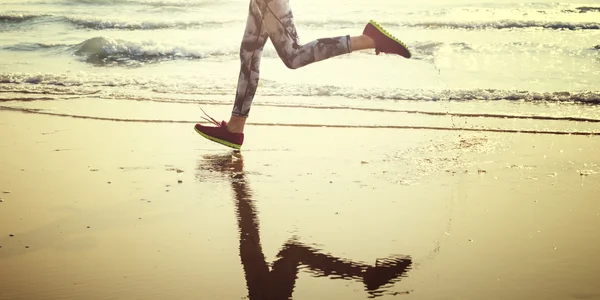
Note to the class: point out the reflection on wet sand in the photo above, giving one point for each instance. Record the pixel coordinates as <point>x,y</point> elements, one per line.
<point>279,282</point>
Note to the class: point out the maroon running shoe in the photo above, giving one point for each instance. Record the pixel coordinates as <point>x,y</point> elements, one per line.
<point>219,133</point>
<point>384,41</point>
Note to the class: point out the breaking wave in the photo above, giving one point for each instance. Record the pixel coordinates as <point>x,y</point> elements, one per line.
<point>173,3</point>
<point>17,18</point>
<point>85,83</point>
<point>99,24</point>
<point>34,46</point>
<point>583,9</point>
<point>586,97</point>
<point>102,50</point>
<point>509,24</point>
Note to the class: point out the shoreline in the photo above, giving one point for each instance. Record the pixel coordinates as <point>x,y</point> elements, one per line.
<point>428,117</point>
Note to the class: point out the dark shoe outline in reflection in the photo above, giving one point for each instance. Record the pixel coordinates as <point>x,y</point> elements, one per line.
<point>278,282</point>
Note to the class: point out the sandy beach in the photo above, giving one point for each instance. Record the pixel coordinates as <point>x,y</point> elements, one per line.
<point>100,209</point>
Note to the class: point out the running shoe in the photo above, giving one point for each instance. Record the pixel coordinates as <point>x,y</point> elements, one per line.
<point>219,133</point>
<point>384,41</point>
<point>386,271</point>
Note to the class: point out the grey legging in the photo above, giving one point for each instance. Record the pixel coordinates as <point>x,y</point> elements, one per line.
<point>273,19</point>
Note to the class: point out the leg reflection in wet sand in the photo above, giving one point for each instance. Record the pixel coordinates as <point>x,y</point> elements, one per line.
<point>278,283</point>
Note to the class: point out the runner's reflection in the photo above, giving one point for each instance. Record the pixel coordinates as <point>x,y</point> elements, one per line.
<point>278,283</point>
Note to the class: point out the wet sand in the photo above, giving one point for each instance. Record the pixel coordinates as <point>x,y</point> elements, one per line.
<point>119,210</point>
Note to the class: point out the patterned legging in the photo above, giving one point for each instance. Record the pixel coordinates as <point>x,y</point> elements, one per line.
<point>273,19</point>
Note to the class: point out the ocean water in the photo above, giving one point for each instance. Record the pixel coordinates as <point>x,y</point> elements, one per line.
<point>488,54</point>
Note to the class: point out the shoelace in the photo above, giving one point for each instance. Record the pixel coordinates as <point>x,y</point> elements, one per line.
<point>209,118</point>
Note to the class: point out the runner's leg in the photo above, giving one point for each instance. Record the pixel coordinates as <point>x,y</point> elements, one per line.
<point>279,21</point>
<point>253,42</point>
<point>274,19</point>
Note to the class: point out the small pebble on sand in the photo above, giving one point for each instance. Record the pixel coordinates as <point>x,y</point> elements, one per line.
<point>1,200</point>
<point>11,235</point>
<point>179,181</point>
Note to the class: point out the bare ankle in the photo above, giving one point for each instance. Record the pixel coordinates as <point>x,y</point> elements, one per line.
<point>361,42</point>
<point>236,124</point>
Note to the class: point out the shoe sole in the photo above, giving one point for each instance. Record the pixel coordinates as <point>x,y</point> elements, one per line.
<point>389,35</point>
<point>219,141</point>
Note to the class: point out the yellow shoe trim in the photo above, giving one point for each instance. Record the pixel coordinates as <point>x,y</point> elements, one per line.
<point>220,141</point>
<point>380,28</point>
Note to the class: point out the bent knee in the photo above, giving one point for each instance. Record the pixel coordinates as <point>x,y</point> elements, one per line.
<point>290,60</point>
<point>291,63</point>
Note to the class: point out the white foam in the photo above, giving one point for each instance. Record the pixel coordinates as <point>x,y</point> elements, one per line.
<point>178,3</point>
<point>509,24</point>
<point>108,48</point>
<point>12,81</point>
<point>18,17</point>
<point>100,23</point>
